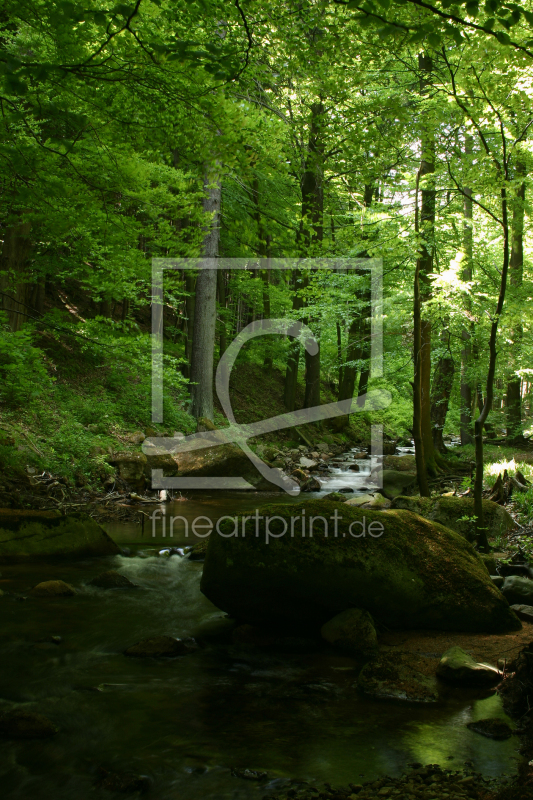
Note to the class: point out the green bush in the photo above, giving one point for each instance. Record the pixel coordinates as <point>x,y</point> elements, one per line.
<point>23,375</point>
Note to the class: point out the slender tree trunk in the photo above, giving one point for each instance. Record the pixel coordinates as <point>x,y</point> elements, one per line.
<point>339,354</point>
<point>293,356</point>
<point>516,268</point>
<point>427,226</point>
<point>205,308</point>
<point>466,351</point>
<point>421,471</point>
<point>441,390</point>
<point>14,285</point>
<point>481,532</point>
<point>313,230</point>
<point>365,325</point>
<point>222,302</point>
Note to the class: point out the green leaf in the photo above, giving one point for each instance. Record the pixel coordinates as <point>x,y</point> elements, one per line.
<point>434,40</point>
<point>502,37</point>
<point>14,85</point>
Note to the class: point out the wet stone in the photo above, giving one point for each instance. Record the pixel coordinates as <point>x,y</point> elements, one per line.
<point>53,589</point>
<point>492,728</point>
<point>124,782</point>
<point>159,647</point>
<point>112,580</point>
<point>22,724</point>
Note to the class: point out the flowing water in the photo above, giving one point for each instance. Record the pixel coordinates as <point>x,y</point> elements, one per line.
<point>185,722</point>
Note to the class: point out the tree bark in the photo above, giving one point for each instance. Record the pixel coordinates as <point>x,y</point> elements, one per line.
<point>513,411</point>
<point>427,230</point>
<point>466,350</point>
<point>441,390</point>
<point>481,532</point>
<point>421,472</point>
<point>14,285</point>
<point>205,307</point>
<point>293,356</point>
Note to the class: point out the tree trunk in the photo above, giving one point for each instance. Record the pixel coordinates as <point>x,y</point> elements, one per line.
<point>205,307</point>
<point>313,230</point>
<point>441,390</point>
<point>466,350</point>
<point>513,412</point>
<point>481,532</point>
<point>427,230</point>
<point>221,291</point>
<point>14,286</point>
<point>421,472</point>
<point>293,356</point>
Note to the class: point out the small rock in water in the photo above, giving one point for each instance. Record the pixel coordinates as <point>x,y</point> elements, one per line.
<point>492,727</point>
<point>307,462</point>
<point>396,676</point>
<point>523,612</point>
<point>311,485</point>
<point>457,666</point>
<point>159,647</point>
<point>351,630</point>
<point>249,774</point>
<point>53,589</point>
<point>334,496</point>
<point>346,490</point>
<point>21,724</point>
<point>112,580</point>
<point>122,781</point>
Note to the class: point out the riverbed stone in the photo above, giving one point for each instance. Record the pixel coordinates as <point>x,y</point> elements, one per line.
<point>518,590</point>
<point>396,483</point>
<point>112,580</point>
<point>359,500</point>
<point>492,728</point>
<point>449,511</point>
<point>157,647</point>
<point>311,485</point>
<point>334,496</point>
<point>38,535</point>
<point>352,630</point>
<point>404,570</point>
<point>226,460</point>
<point>53,589</point>
<point>523,612</point>
<point>399,676</point>
<point>23,724</point>
<point>307,463</point>
<point>131,467</point>
<point>458,667</point>
<point>400,463</point>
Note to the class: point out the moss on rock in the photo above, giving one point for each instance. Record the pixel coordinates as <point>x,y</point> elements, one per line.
<point>405,571</point>
<point>450,511</point>
<point>36,535</point>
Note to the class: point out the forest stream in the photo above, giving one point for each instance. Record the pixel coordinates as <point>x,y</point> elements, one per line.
<point>185,722</point>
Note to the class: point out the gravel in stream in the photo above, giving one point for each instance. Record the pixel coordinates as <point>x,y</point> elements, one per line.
<point>429,782</point>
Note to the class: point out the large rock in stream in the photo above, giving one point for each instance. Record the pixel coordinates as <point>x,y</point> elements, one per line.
<point>405,571</point>
<point>36,535</point>
<point>452,511</point>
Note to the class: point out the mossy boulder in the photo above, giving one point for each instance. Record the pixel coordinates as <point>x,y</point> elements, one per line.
<point>353,631</point>
<point>396,483</point>
<point>449,511</point>
<point>404,570</point>
<point>226,460</point>
<point>131,468</point>
<point>400,463</point>
<point>399,676</point>
<point>39,535</point>
<point>458,667</point>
